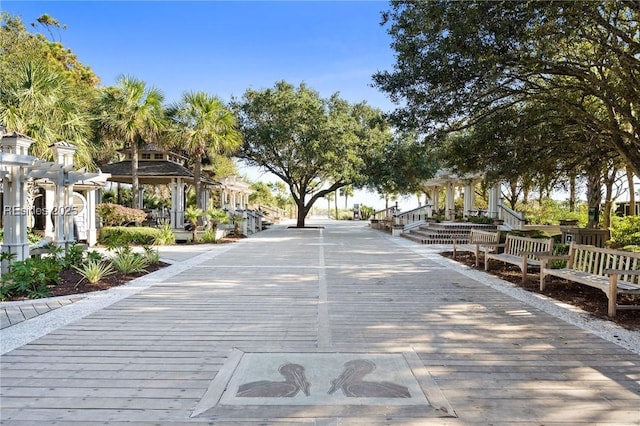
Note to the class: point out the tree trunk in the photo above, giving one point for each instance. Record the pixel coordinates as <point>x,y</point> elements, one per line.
<point>632,192</point>
<point>594,198</point>
<point>572,193</point>
<point>135,182</point>
<point>197,185</point>
<point>336,203</point>
<point>608,203</point>
<point>302,213</point>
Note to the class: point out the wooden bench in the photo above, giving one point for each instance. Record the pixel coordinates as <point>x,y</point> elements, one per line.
<point>520,251</point>
<point>612,271</point>
<point>477,239</point>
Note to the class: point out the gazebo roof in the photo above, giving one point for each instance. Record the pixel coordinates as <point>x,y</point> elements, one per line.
<point>151,172</point>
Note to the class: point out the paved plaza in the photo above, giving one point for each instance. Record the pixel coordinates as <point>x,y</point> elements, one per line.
<point>333,325</point>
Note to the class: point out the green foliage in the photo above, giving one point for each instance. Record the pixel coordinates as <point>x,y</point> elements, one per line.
<point>192,214</point>
<point>73,256</point>
<point>165,236</point>
<point>625,231</point>
<point>46,92</point>
<point>117,215</point>
<point>201,124</point>
<point>152,255</point>
<point>307,140</point>
<point>126,198</point>
<point>129,262</point>
<point>117,236</point>
<point>536,53</point>
<point>31,277</point>
<point>366,212</point>
<point>93,271</point>
<point>551,212</point>
<point>208,236</point>
<point>559,249</point>
<point>217,217</point>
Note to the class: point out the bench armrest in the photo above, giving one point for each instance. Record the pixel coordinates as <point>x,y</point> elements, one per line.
<point>622,271</point>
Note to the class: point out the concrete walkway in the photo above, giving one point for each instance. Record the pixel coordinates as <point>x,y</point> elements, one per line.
<point>332,326</point>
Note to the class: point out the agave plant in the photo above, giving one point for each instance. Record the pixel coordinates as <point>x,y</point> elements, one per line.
<point>129,262</point>
<point>94,270</point>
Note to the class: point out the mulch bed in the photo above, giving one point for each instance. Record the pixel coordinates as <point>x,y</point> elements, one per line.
<point>587,298</point>
<point>71,282</point>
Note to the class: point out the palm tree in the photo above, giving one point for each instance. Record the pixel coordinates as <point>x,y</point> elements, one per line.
<point>193,214</point>
<point>39,102</point>
<point>132,113</point>
<point>346,192</point>
<point>203,126</point>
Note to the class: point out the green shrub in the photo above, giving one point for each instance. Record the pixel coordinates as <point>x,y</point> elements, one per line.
<point>152,255</point>
<point>625,231</point>
<point>208,236</point>
<point>165,236</point>
<point>128,262</point>
<point>117,215</point>
<point>73,256</point>
<point>216,217</point>
<point>31,277</point>
<point>118,236</point>
<point>559,250</point>
<point>94,256</point>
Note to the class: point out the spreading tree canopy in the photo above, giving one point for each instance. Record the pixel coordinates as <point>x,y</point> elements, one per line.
<point>458,62</point>
<point>314,145</point>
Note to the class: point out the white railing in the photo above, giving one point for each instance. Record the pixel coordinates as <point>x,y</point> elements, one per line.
<point>512,219</point>
<point>384,213</point>
<point>417,215</point>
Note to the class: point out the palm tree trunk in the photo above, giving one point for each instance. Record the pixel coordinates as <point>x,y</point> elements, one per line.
<point>197,173</point>
<point>135,182</point>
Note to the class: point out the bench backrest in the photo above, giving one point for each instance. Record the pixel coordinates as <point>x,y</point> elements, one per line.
<point>597,261</point>
<point>515,245</point>
<point>478,236</point>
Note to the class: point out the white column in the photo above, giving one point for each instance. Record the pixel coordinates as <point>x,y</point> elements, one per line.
<point>14,187</point>
<point>15,214</point>
<point>172,213</point>
<point>435,198</point>
<point>177,203</point>
<point>469,197</point>
<point>49,231</point>
<point>494,200</point>
<point>92,231</point>
<point>68,214</point>
<point>450,202</point>
<point>57,213</point>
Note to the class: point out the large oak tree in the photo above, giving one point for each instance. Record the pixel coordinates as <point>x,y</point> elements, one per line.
<point>314,145</point>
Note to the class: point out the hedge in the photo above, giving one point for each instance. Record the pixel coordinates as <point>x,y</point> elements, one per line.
<point>128,235</point>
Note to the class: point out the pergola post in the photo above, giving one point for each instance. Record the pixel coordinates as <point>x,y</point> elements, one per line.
<point>15,173</point>
<point>494,201</point>
<point>450,213</point>
<point>435,199</point>
<point>63,204</point>
<point>177,203</point>
<point>469,197</point>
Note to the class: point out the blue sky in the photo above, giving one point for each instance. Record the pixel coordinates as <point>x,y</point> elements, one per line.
<point>226,47</point>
